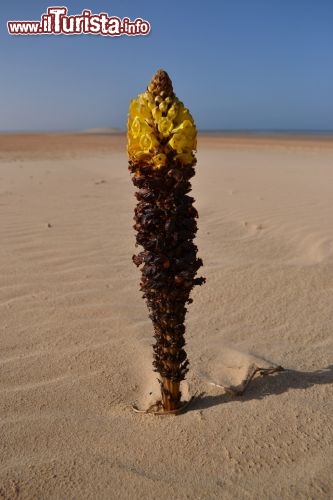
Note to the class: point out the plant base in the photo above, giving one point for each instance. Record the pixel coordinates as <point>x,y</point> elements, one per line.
<point>158,409</point>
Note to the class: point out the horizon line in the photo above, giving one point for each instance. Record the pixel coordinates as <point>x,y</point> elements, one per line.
<point>116,130</point>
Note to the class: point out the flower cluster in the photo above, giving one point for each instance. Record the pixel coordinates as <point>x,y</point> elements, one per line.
<point>160,129</point>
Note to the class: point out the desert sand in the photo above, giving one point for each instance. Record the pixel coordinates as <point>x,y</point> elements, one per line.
<point>75,338</point>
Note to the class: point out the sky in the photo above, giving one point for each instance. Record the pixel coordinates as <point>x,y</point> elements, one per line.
<point>236,64</point>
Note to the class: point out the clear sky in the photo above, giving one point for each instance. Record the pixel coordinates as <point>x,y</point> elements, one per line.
<point>237,64</point>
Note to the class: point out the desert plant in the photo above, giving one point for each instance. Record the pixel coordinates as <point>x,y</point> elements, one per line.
<point>162,139</point>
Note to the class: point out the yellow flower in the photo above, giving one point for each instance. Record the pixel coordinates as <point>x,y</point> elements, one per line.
<point>165,126</point>
<point>141,156</point>
<point>182,143</point>
<point>156,113</point>
<point>139,126</point>
<point>136,127</point>
<point>133,107</point>
<point>147,142</point>
<point>151,105</point>
<point>185,158</point>
<point>172,113</point>
<point>160,129</point>
<point>186,127</point>
<point>142,99</point>
<point>133,144</point>
<point>143,110</point>
<point>139,116</point>
<point>178,142</point>
<point>163,107</point>
<point>184,114</point>
<point>160,160</point>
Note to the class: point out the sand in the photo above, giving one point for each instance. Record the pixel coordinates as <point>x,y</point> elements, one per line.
<point>75,335</point>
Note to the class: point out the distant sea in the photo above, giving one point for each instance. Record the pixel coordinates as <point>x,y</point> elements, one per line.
<point>223,131</point>
<point>322,133</point>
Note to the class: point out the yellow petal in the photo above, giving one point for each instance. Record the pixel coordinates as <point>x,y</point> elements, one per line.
<point>186,127</point>
<point>178,142</point>
<point>160,160</point>
<point>142,99</point>
<point>172,113</point>
<point>144,112</point>
<point>142,156</point>
<point>163,107</point>
<point>147,142</point>
<point>165,126</point>
<point>133,107</point>
<point>182,143</point>
<point>136,127</point>
<point>156,113</point>
<point>185,158</point>
<point>184,114</point>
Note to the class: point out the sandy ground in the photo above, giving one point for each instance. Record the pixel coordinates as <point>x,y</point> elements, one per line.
<point>75,335</point>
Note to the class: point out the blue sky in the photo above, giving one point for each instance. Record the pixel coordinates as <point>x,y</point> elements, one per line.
<point>237,64</point>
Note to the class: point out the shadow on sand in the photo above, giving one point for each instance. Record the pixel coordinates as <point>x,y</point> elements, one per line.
<point>263,386</point>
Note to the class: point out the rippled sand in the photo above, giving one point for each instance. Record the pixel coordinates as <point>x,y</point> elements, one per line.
<point>75,337</point>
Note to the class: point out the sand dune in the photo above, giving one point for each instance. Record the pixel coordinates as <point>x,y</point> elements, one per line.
<point>75,337</point>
